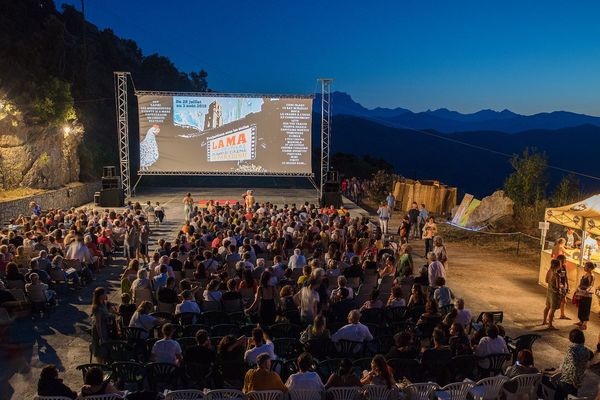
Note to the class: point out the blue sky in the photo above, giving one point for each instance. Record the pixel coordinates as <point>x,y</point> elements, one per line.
<point>527,56</point>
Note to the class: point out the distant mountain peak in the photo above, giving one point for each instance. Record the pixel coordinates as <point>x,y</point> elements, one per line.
<point>448,121</point>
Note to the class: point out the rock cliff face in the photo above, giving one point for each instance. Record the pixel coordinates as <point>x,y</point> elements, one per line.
<point>42,157</point>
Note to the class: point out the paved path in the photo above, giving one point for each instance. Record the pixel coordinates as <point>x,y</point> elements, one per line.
<point>63,337</point>
<point>495,281</point>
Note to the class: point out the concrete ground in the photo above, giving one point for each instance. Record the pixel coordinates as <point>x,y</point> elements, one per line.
<point>487,281</point>
<point>493,281</point>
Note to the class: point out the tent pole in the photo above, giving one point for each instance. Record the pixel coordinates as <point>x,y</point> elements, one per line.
<point>583,238</point>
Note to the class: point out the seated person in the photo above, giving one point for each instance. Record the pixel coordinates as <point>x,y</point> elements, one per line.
<point>258,344</point>
<point>50,385</point>
<point>463,316</point>
<point>160,280</point>
<point>305,379</point>
<point>374,302</point>
<point>317,330</point>
<point>261,377</point>
<point>403,347</point>
<point>126,309</point>
<point>487,320</point>
<point>459,341</point>
<point>202,352</point>
<point>167,350</point>
<point>354,330</point>
<point>343,305</point>
<point>524,365</point>
<point>342,283</point>
<point>231,349</point>
<point>38,291</point>
<point>188,304</point>
<point>344,376</point>
<point>436,359</point>
<point>94,384</point>
<point>231,293</point>
<point>380,373</point>
<point>142,319</point>
<point>493,343</point>
<point>396,298</point>
<point>167,294</point>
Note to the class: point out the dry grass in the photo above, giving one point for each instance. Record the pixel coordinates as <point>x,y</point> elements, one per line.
<point>14,194</point>
<point>523,247</point>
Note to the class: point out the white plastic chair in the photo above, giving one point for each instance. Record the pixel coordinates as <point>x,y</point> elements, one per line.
<point>527,385</point>
<point>265,395</point>
<point>190,394</point>
<point>306,394</point>
<point>379,392</point>
<point>421,391</point>
<point>51,398</point>
<point>343,393</point>
<point>458,390</point>
<point>492,387</point>
<point>225,394</point>
<point>112,396</point>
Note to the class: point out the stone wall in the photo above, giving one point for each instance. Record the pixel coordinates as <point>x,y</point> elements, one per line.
<point>71,195</point>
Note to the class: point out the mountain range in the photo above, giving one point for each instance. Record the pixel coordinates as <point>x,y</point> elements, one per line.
<point>446,121</point>
<point>474,160</point>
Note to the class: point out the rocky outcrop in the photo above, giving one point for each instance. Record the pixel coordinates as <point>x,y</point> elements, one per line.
<point>492,209</point>
<point>43,157</point>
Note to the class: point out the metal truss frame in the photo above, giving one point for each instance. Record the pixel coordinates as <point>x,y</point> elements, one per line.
<point>217,94</point>
<point>325,130</point>
<point>120,81</point>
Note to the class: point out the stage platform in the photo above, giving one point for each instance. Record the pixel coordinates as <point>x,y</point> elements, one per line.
<point>171,198</point>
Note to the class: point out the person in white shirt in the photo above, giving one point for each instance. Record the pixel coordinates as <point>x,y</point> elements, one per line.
<point>305,379</point>
<point>463,315</point>
<point>308,298</point>
<point>78,251</point>
<point>490,344</point>
<point>167,350</point>
<point>435,270</point>
<point>37,291</point>
<point>261,345</point>
<point>354,331</point>
<point>142,319</point>
<point>297,260</point>
<point>187,304</point>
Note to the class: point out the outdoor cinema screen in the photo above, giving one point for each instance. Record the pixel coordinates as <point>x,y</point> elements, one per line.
<point>221,134</point>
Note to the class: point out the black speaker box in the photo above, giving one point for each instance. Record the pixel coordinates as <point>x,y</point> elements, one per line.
<point>331,187</point>
<point>331,198</point>
<point>109,171</point>
<point>112,197</point>
<point>110,182</point>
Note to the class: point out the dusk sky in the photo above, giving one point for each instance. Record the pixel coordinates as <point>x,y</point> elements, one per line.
<point>527,56</point>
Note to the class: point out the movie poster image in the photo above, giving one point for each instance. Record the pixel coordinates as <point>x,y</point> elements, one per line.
<point>261,135</point>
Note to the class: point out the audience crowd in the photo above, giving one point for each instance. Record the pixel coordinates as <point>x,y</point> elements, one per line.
<point>261,297</point>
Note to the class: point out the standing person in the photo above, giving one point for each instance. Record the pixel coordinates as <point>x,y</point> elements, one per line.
<point>265,300</point>
<point>552,293</point>
<point>100,323</point>
<point>132,240</point>
<point>188,207</point>
<point>429,232</point>
<point>249,200</point>
<point>564,285</point>
<point>573,366</point>
<point>440,251</point>
<point>159,212</point>
<point>391,202</point>
<point>413,220</point>
<point>384,216</point>
<point>435,270</point>
<point>144,239</point>
<point>423,217</point>
<point>584,294</point>
<point>308,299</point>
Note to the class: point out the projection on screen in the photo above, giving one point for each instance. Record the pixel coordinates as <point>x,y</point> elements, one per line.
<point>229,135</point>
